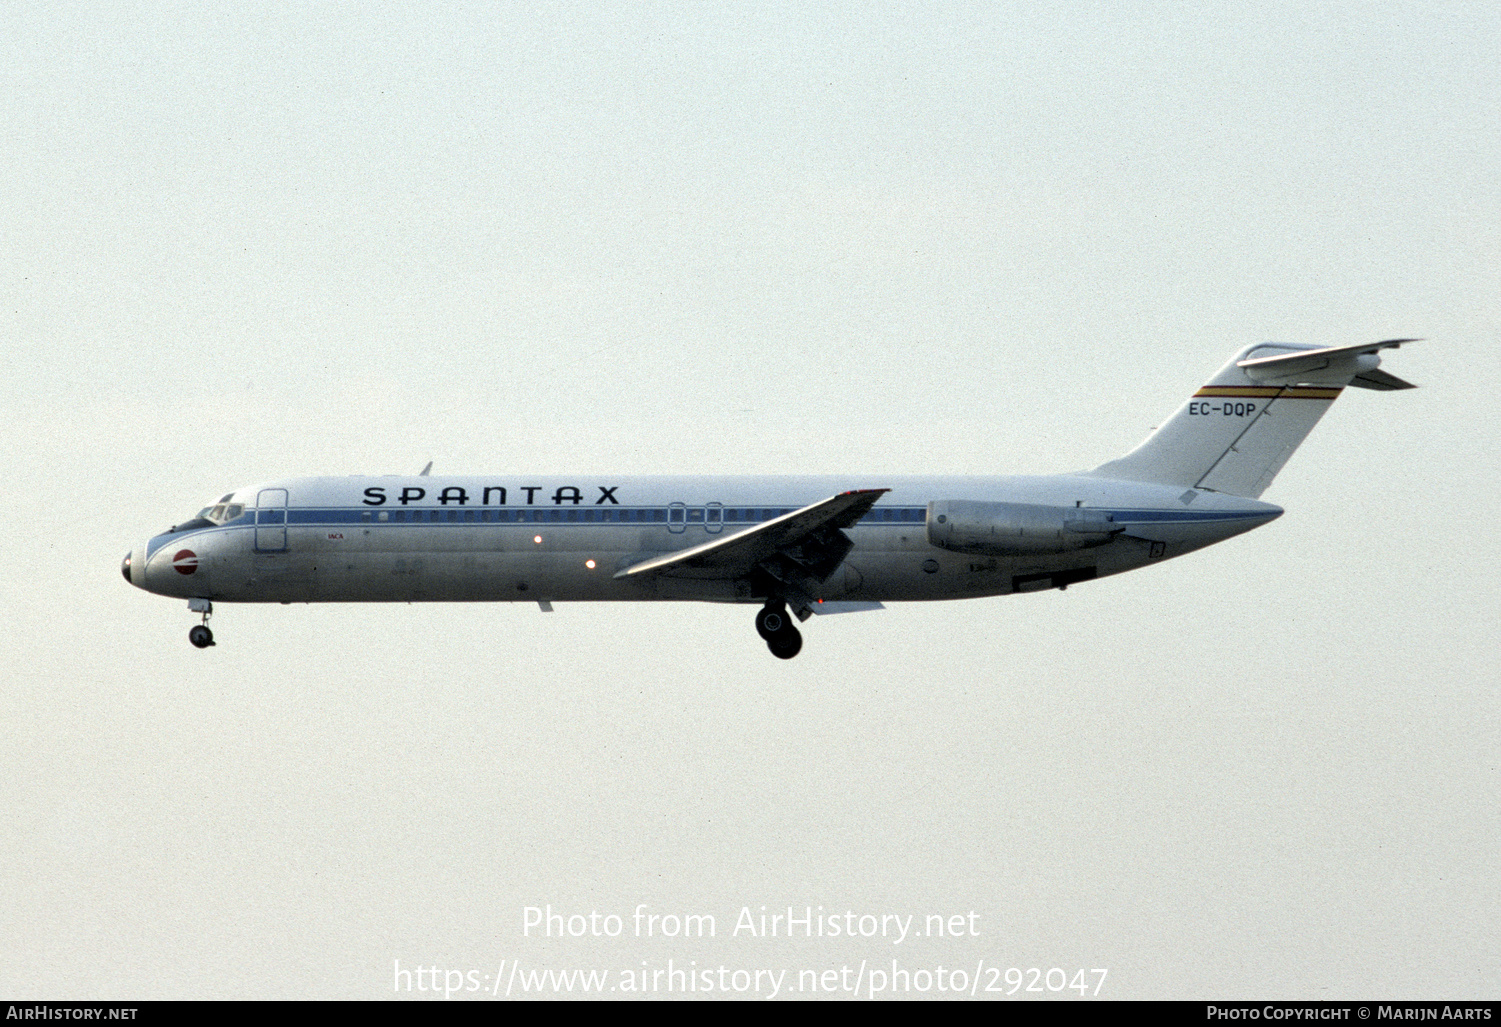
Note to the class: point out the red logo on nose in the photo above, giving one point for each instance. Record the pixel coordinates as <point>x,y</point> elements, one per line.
<point>186,561</point>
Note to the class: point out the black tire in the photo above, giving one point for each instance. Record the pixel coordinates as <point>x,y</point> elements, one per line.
<point>201,636</point>
<point>772,620</point>
<point>786,644</point>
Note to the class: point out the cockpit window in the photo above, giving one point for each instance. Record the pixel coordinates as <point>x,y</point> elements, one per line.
<point>221,513</point>
<point>210,516</point>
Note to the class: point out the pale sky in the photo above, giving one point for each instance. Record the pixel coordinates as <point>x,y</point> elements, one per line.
<point>243,243</point>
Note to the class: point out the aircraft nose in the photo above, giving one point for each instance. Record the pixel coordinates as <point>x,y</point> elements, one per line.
<point>131,568</point>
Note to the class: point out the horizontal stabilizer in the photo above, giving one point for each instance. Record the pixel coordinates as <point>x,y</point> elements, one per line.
<point>735,555</point>
<point>1381,381</point>
<point>1332,363</point>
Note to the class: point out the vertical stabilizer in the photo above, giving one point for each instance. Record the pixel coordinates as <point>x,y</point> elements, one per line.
<point>1234,434</point>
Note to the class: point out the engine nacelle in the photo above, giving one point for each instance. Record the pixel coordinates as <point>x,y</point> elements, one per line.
<point>1016,529</point>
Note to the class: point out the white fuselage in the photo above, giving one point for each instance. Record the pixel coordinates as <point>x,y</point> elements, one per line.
<point>509,537</point>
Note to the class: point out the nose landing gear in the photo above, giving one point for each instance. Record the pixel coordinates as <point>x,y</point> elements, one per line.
<point>781,635</point>
<point>199,634</point>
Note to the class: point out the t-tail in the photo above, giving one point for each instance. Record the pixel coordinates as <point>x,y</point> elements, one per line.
<point>1236,432</point>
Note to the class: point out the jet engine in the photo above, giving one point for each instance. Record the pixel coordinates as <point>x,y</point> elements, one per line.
<point>1016,529</point>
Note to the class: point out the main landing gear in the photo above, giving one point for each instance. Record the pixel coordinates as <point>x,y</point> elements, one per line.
<point>199,634</point>
<point>781,635</point>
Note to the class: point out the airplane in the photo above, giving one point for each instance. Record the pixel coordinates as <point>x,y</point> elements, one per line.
<point>794,546</point>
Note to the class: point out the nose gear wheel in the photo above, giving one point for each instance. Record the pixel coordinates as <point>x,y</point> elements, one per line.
<point>199,634</point>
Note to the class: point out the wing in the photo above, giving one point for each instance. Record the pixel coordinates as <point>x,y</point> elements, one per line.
<point>804,543</point>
